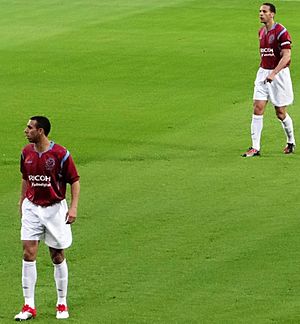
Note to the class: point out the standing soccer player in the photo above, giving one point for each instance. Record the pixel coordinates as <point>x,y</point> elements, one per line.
<point>46,169</point>
<point>273,80</point>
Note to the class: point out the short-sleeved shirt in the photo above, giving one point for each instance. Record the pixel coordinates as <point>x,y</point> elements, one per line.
<point>47,173</point>
<point>271,43</point>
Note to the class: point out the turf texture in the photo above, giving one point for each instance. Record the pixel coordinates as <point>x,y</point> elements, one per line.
<point>154,101</point>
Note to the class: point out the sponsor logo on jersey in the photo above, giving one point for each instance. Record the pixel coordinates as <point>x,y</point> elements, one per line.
<point>40,180</point>
<point>267,51</point>
<point>50,164</point>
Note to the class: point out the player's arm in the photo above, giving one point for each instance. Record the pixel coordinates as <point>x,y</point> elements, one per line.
<point>72,212</point>
<point>22,196</point>
<point>285,58</point>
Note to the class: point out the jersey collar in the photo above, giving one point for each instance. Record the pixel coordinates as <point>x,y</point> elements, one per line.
<point>49,149</point>
<point>272,28</point>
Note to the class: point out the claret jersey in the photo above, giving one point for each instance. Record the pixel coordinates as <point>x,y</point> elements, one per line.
<point>47,173</point>
<point>271,44</point>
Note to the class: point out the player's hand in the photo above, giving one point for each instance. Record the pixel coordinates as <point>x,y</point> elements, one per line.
<point>270,78</point>
<point>71,216</point>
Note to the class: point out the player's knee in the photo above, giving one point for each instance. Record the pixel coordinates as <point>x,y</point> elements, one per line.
<point>29,255</point>
<point>258,110</point>
<point>280,115</point>
<point>57,259</point>
<point>57,256</point>
<point>30,250</point>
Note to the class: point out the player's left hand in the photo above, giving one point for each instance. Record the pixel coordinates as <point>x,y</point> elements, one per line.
<point>71,216</point>
<point>270,78</point>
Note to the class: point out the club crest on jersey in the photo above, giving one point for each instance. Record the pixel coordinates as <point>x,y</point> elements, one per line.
<point>271,38</point>
<point>50,164</point>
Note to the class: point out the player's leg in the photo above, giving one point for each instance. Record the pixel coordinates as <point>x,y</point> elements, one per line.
<point>256,127</point>
<point>58,237</point>
<point>31,232</point>
<point>287,125</point>
<point>257,122</point>
<point>29,273</point>
<point>29,277</point>
<point>281,96</point>
<point>260,100</point>
<point>61,281</point>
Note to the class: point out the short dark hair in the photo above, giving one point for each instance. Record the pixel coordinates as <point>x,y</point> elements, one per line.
<point>271,6</point>
<point>42,122</point>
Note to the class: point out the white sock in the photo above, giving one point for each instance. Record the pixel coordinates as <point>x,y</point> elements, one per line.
<point>61,280</point>
<point>29,276</point>
<point>287,125</point>
<point>256,129</point>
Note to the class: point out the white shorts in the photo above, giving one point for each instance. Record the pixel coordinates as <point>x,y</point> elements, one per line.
<point>46,223</point>
<point>279,91</point>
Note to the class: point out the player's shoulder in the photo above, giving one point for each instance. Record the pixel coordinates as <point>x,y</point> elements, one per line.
<point>261,32</point>
<point>58,149</point>
<point>280,28</point>
<point>28,148</point>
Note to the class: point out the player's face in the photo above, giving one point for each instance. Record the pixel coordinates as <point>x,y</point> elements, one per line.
<point>265,15</point>
<point>32,133</point>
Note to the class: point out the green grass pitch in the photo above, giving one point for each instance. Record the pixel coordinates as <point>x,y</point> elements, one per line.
<point>153,98</point>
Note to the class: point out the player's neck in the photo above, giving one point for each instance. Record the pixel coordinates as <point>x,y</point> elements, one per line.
<point>269,25</point>
<point>43,145</point>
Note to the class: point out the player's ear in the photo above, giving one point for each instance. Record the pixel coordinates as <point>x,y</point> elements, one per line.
<point>41,131</point>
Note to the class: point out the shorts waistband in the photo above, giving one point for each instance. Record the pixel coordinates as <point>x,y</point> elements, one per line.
<point>45,206</point>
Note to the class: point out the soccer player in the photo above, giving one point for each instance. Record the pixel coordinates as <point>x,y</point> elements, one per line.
<point>46,169</point>
<point>273,80</point>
